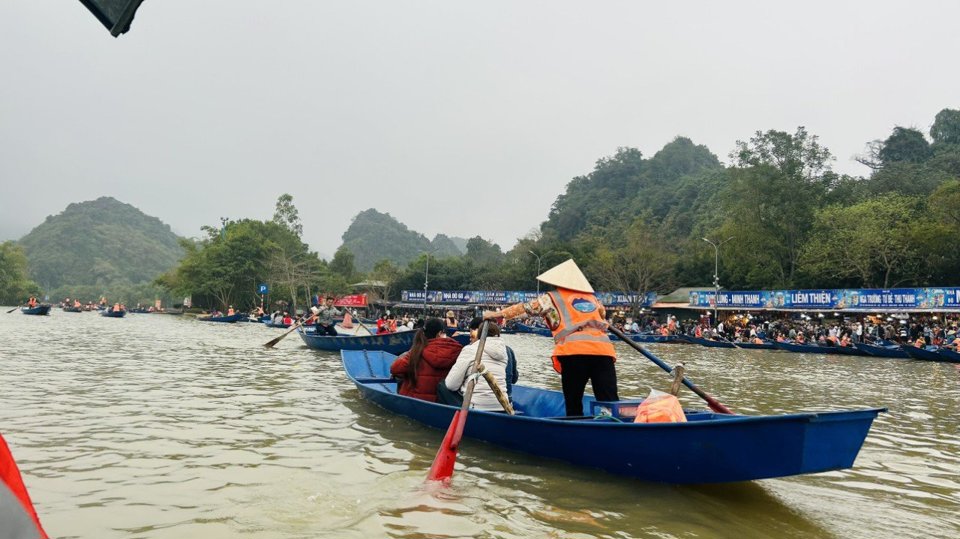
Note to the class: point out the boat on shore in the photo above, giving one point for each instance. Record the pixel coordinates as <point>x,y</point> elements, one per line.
<point>949,355</point>
<point>709,343</point>
<point>708,448</point>
<point>927,353</point>
<point>765,345</point>
<point>39,310</point>
<point>891,351</point>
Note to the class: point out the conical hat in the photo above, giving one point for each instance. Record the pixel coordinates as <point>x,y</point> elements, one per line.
<point>566,275</point>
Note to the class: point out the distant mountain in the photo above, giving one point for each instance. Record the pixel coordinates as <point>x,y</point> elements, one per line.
<point>461,243</point>
<point>102,242</point>
<point>375,236</point>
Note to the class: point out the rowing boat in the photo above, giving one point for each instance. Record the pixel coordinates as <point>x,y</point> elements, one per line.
<point>927,353</point>
<point>110,313</point>
<point>394,343</point>
<point>766,345</point>
<point>224,319</point>
<point>708,448</point>
<point>39,310</point>
<point>893,351</point>
<point>709,343</point>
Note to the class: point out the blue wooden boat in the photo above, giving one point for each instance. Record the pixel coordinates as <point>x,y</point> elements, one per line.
<point>394,343</point>
<point>949,355</point>
<point>807,348</point>
<point>224,319</point>
<point>73,309</point>
<point>883,351</point>
<point>39,310</point>
<point>534,330</point>
<point>927,353</point>
<point>270,324</point>
<point>655,338</point>
<point>710,343</point>
<point>766,345</point>
<point>708,448</point>
<point>110,313</point>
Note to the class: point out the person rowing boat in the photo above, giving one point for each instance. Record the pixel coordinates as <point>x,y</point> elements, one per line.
<point>582,351</point>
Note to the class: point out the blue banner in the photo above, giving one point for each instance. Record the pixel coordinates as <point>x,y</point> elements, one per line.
<point>857,299</point>
<point>509,297</point>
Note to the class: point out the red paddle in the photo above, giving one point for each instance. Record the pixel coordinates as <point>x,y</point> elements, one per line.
<point>442,468</point>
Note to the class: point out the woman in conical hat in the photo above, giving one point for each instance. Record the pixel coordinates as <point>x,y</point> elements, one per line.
<point>582,351</point>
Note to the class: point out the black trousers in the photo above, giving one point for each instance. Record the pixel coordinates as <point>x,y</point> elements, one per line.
<point>574,373</point>
<point>326,330</point>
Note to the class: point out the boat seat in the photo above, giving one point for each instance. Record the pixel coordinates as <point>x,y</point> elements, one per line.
<point>377,380</point>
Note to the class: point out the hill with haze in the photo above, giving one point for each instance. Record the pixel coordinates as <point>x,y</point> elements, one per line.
<point>102,242</point>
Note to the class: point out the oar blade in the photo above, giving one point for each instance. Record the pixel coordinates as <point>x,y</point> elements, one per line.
<point>442,467</point>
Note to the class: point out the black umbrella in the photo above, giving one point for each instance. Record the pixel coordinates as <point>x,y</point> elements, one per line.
<point>116,15</point>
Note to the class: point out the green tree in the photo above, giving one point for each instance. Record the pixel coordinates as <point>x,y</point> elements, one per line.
<point>946,127</point>
<point>871,242</point>
<point>342,263</point>
<point>15,287</point>
<point>905,145</point>
<point>286,214</point>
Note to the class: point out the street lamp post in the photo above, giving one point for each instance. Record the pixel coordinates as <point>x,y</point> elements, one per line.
<point>426,281</point>
<point>716,274</point>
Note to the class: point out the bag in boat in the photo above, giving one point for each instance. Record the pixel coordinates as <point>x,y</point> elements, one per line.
<point>660,407</point>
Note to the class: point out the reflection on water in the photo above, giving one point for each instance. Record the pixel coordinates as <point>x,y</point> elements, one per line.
<point>160,426</point>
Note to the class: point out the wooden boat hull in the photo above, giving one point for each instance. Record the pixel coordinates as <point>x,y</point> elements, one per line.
<point>393,343</point>
<point>113,314</point>
<point>709,448</point>
<point>534,330</point>
<point>39,310</point>
<point>949,355</point>
<point>930,353</point>
<point>225,319</point>
<point>755,346</point>
<point>708,342</point>
<point>883,351</point>
<point>73,309</point>
<point>807,348</point>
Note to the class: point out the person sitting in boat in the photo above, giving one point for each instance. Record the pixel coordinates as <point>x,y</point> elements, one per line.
<point>76,303</point>
<point>286,319</point>
<point>451,320</point>
<point>325,315</point>
<point>494,360</point>
<point>116,308</point>
<point>582,350</point>
<point>920,342</point>
<point>424,367</point>
<point>123,307</point>
<point>32,302</point>
<point>230,311</point>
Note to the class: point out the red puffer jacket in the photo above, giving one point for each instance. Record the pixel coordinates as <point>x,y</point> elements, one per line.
<point>438,356</point>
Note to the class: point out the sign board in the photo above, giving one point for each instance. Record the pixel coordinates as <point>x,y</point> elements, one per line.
<point>263,289</point>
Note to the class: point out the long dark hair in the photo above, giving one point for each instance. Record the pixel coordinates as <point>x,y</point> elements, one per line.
<point>431,329</point>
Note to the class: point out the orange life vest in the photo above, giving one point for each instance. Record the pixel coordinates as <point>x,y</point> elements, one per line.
<point>579,329</point>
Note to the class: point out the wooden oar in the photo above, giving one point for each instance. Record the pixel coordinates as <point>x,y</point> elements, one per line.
<point>299,323</point>
<point>14,309</point>
<point>714,404</point>
<point>442,468</point>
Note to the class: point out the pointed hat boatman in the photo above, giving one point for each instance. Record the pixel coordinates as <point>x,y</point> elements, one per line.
<point>582,351</point>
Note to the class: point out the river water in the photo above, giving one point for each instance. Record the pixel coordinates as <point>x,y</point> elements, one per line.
<point>157,426</point>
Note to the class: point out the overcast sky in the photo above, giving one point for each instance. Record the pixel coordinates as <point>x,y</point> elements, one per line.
<point>457,117</point>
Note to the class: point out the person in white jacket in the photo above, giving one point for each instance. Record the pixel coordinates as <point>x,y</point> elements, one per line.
<point>495,361</point>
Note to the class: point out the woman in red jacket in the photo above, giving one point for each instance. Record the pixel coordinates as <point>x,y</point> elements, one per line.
<point>427,363</point>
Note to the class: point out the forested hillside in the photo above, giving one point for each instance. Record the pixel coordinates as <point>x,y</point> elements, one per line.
<point>373,236</point>
<point>637,223</point>
<point>99,244</point>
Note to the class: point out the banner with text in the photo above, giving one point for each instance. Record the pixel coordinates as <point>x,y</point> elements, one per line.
<point>508,297</point>
<point>857,299</point>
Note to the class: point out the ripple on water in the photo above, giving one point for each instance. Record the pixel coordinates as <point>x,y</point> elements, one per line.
<point>160,426</point>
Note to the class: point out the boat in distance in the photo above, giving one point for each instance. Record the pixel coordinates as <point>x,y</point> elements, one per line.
<point>708,448</point>
<point>233,318</point>
<point>394,343</point>
<point>39,310</point>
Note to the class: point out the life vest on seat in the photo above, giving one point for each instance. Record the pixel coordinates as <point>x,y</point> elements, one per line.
<point>578,329</point>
